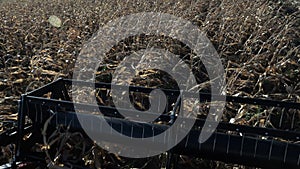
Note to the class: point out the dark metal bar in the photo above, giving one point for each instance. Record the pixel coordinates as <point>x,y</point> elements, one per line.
<point>243,146</point>
<point>204,97</point>
<point>220,146</point>
<point>112,112</point>
<point>45,89</point>
<point>20,131</point>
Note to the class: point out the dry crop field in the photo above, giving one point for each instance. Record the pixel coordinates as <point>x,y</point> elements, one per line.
<point>257,40</point>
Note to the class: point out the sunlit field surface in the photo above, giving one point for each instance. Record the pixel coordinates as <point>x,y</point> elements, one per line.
<point>258,42</point>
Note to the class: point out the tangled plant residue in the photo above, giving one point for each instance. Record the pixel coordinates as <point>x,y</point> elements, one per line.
<point>257,40</point>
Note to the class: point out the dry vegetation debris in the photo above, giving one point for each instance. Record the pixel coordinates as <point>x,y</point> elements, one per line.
<point>258,42</point>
